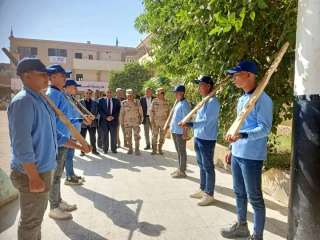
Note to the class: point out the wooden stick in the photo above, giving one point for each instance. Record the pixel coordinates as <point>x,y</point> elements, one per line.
<point>65,121</point>
<point>166,125</point>
<point>235,127</point>
<point>57,111</point>
<point>188,117</point>
<point>76,103</point>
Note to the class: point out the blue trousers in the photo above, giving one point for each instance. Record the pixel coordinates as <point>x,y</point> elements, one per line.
<point>69,162</point>
<point>204,154</point>
<point>246,175</point>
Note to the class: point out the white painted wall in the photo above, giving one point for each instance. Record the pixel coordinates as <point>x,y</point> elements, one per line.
<point>307,65</point>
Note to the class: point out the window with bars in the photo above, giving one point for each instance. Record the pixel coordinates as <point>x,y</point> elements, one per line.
<point>57,52</point>
<point>78,55</point>
<point>79,77</point>
<point>27,52</point>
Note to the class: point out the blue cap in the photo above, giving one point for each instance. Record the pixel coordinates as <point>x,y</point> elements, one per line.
<point>71,82</point>
<point>179,88</point>
<point>56,68</point>
<point>247,66</point>
<point>204,79</point>
<point>30,64</point>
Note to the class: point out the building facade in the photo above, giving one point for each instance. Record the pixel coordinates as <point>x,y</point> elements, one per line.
<point>91,64</point>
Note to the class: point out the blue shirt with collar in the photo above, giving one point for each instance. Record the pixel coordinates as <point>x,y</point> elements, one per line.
<point>206,123</point>
<point>74,116</point>
<point>256,126</point>
<point>181,109</point>
<point>60,100</point>
<point>33,133</point>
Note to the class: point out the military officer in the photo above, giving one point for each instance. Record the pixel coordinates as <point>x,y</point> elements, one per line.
<point>158,115</point>
<point>131,116</point>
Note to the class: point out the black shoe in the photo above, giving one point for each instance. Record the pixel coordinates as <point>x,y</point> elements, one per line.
<point>79,178</point>
<point>114,151</point>
<point>147,147</point>
<point>73,181</point>
<point>95,152</point>
<point>82,154</point>
<point>105,151</point>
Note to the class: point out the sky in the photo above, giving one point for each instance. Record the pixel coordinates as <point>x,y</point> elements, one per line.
<point>98,21</point>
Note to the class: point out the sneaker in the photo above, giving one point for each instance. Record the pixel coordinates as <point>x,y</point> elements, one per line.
<point>254,237</point>
<point>59,214</point>
<point>82,179</point>
<point>179,174</point>
<point>64,206</point>
<point>198,195</point>
<point>206,200</point>
<point>236,231</point>
<point>72,181</point>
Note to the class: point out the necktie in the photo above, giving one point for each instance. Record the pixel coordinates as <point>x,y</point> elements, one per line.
<point>109,107</point>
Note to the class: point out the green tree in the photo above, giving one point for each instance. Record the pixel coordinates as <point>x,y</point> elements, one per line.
<point>190,38</point>
<point>133,76</point>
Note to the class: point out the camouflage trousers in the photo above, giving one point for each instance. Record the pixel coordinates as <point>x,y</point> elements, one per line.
<point>136,135</point>
<point>157,130</point>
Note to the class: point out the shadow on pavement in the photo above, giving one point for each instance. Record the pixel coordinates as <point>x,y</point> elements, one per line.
<point>74,231</point>
<point>8,215</point>
<point>228,192</point>
<point>120,214</point>
<point>272,225</point>
<point>103,164</point>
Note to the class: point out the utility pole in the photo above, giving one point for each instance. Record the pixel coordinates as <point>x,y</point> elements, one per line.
<point>304,203</point>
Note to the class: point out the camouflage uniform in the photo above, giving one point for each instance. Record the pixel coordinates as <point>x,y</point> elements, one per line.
<point>159,113</point>
<point>130,118</point>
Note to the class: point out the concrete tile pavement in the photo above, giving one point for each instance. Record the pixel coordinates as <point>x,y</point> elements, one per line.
<point>133,197</point>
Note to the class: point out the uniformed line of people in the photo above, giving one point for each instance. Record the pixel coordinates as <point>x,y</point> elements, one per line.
<point>43,146</point>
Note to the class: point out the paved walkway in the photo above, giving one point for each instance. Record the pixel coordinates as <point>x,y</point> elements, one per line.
<point>128,197</point>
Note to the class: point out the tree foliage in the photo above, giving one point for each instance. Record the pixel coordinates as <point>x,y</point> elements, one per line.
<point>194,37</point>
<point>132,76</point>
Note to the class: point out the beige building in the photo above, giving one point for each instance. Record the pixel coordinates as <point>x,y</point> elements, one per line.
<point>91,64</point>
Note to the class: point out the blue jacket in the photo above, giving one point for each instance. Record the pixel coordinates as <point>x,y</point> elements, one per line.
<point>61,101</point>
<point>181,109</point>
<point>257,126</point>
<point>74,116</point>
<point>206,123</point>
<point>33,133</point>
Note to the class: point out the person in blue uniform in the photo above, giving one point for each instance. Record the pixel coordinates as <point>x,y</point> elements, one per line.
<point>205,128</point>
<point>70,88</point>
<point>248,150</point>
<point>59,209</point>
<point>178,133</point>
<point>34,144</point>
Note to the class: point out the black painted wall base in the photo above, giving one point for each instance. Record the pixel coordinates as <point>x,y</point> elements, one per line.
<point>304,203</point>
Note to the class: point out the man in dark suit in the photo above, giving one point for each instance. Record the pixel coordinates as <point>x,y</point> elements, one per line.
<point>145,102</point>
<point>92,106</point>
<point>109,109</point>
